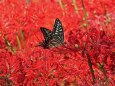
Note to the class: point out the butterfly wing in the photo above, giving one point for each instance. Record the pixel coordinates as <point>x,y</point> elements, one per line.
<point>53,38</point>
<point>46,33</point>
<point>57,32</point>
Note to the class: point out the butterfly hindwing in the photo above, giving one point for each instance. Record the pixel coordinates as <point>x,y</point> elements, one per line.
<point>46,33</point>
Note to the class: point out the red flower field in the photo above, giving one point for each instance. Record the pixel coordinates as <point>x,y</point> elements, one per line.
<point>86,59</point>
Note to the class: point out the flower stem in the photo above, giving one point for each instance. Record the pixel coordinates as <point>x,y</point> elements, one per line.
<point>91,68</point>
<point>61,4</point>
<point>101,66</point>
<point>22,36</point>
<point>85,13</point>
<point>75,6</point>
<point>18,41</point>
<point>10,47</point>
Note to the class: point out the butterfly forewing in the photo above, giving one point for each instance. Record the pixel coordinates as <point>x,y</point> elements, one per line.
<point>58,30</point>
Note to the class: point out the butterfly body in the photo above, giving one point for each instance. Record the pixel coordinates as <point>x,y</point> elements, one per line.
<point>53,38</point>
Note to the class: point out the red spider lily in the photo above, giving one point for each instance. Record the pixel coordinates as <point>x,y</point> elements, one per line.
<point>87,56</point>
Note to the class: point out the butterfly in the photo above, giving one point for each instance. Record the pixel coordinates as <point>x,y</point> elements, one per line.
<point>53,38</point>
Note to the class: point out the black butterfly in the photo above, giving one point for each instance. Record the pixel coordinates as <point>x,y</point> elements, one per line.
<point>53,38</point>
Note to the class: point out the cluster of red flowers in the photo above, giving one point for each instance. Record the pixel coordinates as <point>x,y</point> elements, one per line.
<point>87,57</point>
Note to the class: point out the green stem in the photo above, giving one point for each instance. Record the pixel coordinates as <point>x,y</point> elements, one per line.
<point>61,4</point>
<point>101,66</point>
<point>22,36</point>
<point>7,81</point>
<point>85,13</point>
<point>91,68</point>
<point>28,1</point>
<point>18,41</point>
<point>10,47</point>
<point>75,6</point>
